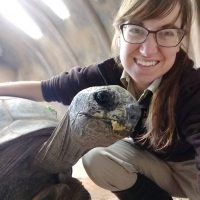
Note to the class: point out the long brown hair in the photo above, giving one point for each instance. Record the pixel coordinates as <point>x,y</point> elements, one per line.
<point>161,118</point>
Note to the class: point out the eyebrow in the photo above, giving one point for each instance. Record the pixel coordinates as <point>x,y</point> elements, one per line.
<point>170,25</point>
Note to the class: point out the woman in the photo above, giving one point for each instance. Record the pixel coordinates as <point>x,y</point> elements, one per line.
<point>162,157</point>
<point>159,162</point>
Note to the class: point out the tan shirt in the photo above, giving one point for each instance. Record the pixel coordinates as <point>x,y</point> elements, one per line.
<point>128,83</point>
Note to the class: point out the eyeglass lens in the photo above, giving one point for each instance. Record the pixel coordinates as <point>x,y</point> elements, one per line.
<point>166,37</point>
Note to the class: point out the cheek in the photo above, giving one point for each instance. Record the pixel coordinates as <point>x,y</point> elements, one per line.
<point>170,56</point>
<point>127,51</point>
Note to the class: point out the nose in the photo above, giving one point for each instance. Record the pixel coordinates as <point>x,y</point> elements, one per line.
<point>104,99</point>
<point>149,47</point>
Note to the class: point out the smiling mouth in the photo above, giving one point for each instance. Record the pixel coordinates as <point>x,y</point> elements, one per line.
<point>146,63</point>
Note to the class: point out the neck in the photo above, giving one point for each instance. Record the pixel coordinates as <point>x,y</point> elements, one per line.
<point>61,151</point>
<point>139,89</point>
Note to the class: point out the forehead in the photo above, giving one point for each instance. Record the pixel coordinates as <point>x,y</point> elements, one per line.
<point>172,19</point>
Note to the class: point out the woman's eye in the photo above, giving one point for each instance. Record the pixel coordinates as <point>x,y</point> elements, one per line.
<point>135,31</point>
<point>168,33</point>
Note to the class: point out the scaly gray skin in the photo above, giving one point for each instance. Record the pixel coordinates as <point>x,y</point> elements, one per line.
<point>90,123</point>
<point>34,164</point>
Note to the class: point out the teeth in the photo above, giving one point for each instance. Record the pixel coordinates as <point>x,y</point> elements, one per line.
<point>147,63</point>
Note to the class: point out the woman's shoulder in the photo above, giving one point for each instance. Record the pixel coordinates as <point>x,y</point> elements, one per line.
<point>191,76</point>
<point>105,66</point>
<point>97,73</point>
<point>108,69</point>
<point>106,72</point>
<point>190,82</point>
<point>190,73</point>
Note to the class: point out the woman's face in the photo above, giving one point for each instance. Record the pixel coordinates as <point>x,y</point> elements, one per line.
<point>147,61</point>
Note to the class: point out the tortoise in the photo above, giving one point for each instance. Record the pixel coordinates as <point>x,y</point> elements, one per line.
<point>37,151</point>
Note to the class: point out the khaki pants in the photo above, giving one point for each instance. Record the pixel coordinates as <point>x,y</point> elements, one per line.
<point>115,168</point>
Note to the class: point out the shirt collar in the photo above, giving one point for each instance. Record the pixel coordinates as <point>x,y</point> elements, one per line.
<point>126,81</point>
<point>125,78</point>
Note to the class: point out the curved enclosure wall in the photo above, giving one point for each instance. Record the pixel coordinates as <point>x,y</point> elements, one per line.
<point>81,39</point>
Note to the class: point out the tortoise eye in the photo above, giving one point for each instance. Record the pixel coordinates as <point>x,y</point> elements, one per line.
<point>104,99</point>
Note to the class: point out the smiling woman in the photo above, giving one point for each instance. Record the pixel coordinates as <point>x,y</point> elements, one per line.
<point>161,157</point>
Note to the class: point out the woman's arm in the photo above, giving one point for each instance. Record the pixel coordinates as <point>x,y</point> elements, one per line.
<point>24,89</point>
<point>63,87</point>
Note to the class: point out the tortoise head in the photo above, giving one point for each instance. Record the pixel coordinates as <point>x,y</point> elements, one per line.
<point>103,114</point>
<point>97,116</point>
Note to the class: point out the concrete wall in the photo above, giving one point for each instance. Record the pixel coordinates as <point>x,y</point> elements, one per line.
<point>195,34</point>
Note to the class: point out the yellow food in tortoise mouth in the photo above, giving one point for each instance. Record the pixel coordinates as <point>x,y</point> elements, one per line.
<point>117,126</point>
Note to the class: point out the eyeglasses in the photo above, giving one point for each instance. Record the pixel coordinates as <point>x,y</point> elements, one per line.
<point>136,34</point>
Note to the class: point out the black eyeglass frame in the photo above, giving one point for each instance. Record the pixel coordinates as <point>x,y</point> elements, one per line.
<point>121,27</point>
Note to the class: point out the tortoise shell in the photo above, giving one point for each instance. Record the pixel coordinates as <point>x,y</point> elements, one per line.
<point>21,116</point>
<point>24,126</point>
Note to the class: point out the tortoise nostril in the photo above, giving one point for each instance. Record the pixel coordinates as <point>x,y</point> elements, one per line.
<point>104,98</point>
